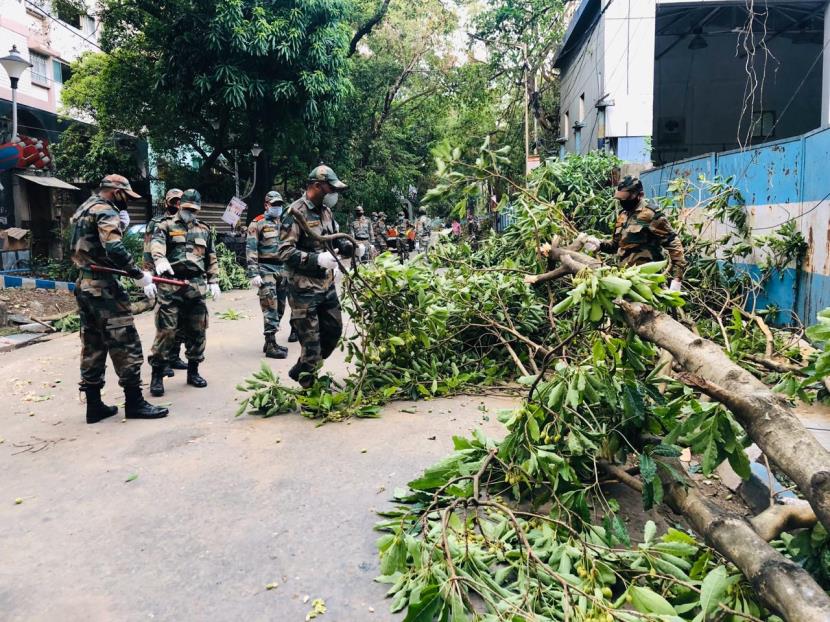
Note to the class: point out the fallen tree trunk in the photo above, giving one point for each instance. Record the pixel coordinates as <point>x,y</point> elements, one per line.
<point>781,583</point>
<point>768,418</point>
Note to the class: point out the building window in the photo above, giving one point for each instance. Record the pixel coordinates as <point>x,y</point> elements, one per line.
<point>763,124</point>
<point>581,116</point>
<point>40,68</point>
<point>67,12</point>
<point>61,71</point>
<point>87,24</point>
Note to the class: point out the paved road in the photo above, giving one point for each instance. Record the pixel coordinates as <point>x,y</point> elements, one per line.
<point>220,507</point>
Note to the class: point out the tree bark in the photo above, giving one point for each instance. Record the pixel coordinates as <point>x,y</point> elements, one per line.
<point>781,583</point>
<point>767,417</point>
<point>367,27</point>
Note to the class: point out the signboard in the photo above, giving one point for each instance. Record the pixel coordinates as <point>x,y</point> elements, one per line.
<point>533,161</point>
<point>233,212</point>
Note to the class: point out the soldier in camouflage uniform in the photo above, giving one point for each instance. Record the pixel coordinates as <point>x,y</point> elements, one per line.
<point>171,206</point>
<point>182,248</point>
<point>362,230</point>
<point>380,232</point>
<point>641,233</point>
<point>315,308</point>
<point>103,305</point>
<point>266,272</point>
<point>423,231</point>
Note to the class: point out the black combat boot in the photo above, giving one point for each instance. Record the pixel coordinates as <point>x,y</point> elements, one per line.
<point>168,372</point>
<point>273,350</point>
<point>157,381</point>
<point>96,410</point>
<point>292,338</point>
<point>193,377</point>
<point>177,362</point>
<point>136,407</point>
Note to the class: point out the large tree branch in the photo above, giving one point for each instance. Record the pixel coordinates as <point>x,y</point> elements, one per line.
<point>767,417</point>
<point>778,581</point>
<point>367,27</point>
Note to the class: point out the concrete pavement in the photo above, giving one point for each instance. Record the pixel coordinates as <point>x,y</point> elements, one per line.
<point>190,517</point>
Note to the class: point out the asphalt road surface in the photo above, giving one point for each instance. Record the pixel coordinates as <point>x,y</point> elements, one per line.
<point>190,517</point>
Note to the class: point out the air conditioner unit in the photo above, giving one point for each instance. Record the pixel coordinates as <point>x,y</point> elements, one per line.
<point>671,130</point>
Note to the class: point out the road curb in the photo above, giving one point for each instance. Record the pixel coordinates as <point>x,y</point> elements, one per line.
<point>8,282</point>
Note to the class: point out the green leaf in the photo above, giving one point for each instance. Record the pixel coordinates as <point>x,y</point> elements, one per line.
<point>646,601</point>
<point>427,607</point>
<point>648,468</point>
<point>131,478</point>
<point>713,589</point>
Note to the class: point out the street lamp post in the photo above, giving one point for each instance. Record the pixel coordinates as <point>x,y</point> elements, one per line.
<point>255,151</point>
<point>15,65</point>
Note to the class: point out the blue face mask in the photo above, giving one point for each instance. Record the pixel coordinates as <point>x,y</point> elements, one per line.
<point>275,211</point>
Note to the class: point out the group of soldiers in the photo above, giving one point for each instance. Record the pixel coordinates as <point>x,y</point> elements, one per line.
<point>289,256</point>
<point>292,255</point>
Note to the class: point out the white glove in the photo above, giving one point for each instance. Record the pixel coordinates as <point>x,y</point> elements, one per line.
<point>675,286</point>
<point>145,280</point>
<point>150,291</point>
<point>544,249</point>
<point>590,243</point>
<point>327,261</point>
<point>417,247</point>
<point>162,266</point>
<point>215,292</point>
<point>360,251</point>
<point>530,279</point>
<point>256,282</point>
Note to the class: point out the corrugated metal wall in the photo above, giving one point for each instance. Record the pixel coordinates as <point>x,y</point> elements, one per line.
<point>786,180</point>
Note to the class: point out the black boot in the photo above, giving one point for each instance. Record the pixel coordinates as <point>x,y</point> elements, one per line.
<point>272,350</point>
<point>96,410</point>
<point>292,338</point>
<point>193,377</point>
<point>136,407</point>
<point>168,372</point>
<point>157,382</point>
<point>178,363</point>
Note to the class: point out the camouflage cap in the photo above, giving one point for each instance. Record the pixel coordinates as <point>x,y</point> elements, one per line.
<point>173,193</point>
<point>274,198</point>
<point>324,173</point>
<point>191,199</point>
<point>628,188</point>
<point>118,182</point>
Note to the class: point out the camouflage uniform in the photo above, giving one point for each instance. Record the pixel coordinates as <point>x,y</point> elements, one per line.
<point>189,249</point>
<point>103,305</point>
<point>147,258</point>
<point>261,252</point>
<point>379,233</point>
<point>423,232</point>
<point>362,231</point>
<point>641,234</point>
<point>315,308</point>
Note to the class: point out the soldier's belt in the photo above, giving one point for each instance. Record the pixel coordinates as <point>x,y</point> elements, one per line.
<point>86,273</point>
<point>271,262</point>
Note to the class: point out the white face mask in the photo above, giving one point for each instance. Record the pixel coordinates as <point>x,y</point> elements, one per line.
<point>186,215</point>
<point>330,200</point>
<point>275,212</point>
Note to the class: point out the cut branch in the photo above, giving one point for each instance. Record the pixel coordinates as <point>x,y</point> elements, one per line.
<point>768,419</point>
<point>778,581</point>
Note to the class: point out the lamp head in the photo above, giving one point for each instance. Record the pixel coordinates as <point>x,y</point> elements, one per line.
<point>14,64</point>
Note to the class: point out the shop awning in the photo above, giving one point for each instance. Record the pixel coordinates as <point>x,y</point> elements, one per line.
<point>49,182</point>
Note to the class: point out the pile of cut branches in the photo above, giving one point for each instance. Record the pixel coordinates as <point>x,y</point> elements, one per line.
<point>616,388</point>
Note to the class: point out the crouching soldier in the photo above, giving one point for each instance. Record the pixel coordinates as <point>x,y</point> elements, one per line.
<point>182,248</point>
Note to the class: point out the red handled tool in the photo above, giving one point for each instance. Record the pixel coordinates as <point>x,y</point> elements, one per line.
<point>156,279</point>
